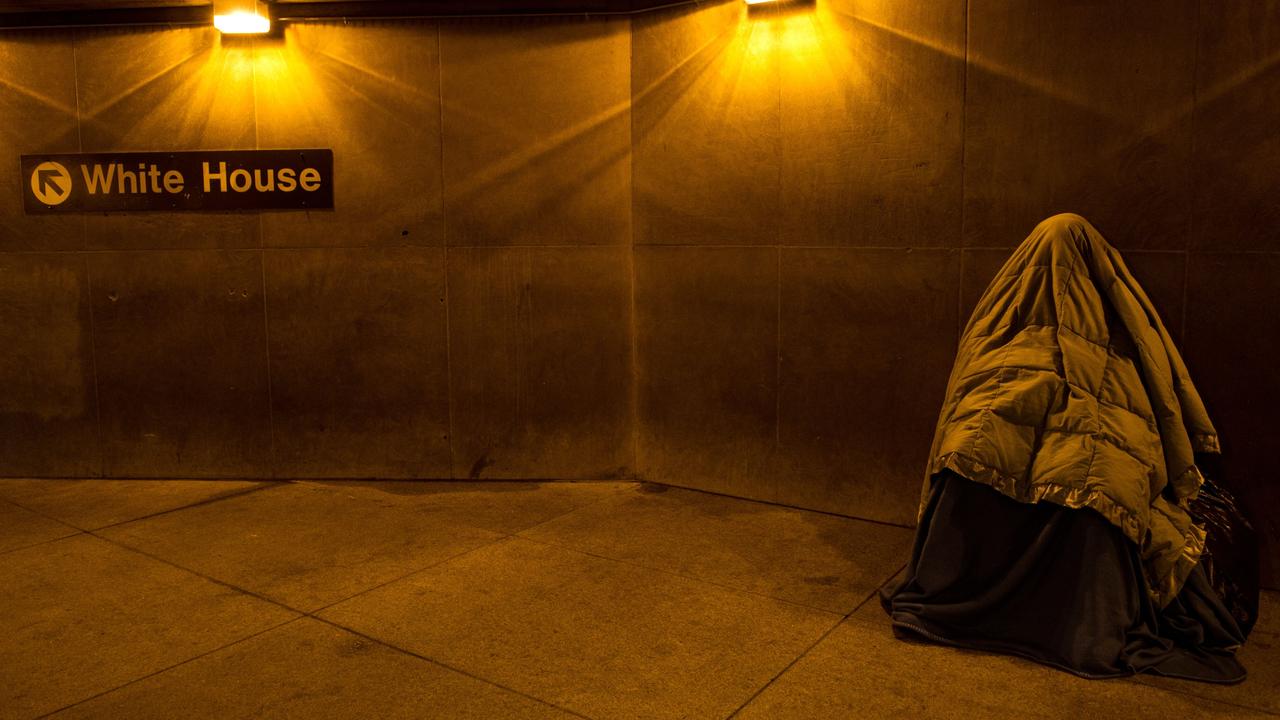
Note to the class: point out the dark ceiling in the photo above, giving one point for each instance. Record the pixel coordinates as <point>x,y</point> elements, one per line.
<point>68,13</point>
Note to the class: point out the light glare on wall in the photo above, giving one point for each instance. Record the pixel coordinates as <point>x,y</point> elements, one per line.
<point>240,17</point>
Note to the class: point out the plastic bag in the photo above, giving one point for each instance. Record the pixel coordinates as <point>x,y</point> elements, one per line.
<point>1231,557</point>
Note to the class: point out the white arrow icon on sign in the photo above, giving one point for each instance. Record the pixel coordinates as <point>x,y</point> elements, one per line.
<point>51,183</point>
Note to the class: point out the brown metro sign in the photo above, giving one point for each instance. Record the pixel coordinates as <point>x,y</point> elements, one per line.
<point>177,181</point>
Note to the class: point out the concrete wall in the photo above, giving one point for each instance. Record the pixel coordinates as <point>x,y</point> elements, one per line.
<point>465,311</point>
<point>821,198</point>
<point>708,249</point>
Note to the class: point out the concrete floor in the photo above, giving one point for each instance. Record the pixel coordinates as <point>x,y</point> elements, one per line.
<point>162,599</point>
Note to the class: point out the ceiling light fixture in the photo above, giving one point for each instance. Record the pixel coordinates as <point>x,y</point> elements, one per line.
<point>763,4</point>
<point>241,17</point>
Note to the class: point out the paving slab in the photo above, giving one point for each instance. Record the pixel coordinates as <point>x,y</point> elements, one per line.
<point>592,635</point>
<point>503,507</point>
<point>861,670</point>
<point>827,562</point>
<point>83,616</point>
<point>20,527</point>
<point>309,669</point>
<point>302,544</point>
<point>93,504</point>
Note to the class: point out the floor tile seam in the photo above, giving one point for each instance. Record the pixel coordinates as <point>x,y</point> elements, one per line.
<point>197,573</point>
<point>854,615</point>
<point>267,484</point>
<point>567,513</point>
<point>689,512</point>
<point>176,665</point>
<point>672,573</point>
<point>827,513</point>
<point>314,614</point>
<point>500,538</point>
<point>786,668</point>
<point>884,584</point>
<point>591,504</point>
<point>503,533</point>
<point>446,666</point>
<point>50,541</point>
<point>300,614</point>
<point>279,603</point>
<point>489,542</point>
<point>40,513</point>
<point>522,534</point>
<point>482,482</point>
<point>804,653</point>
<point>496,537</point>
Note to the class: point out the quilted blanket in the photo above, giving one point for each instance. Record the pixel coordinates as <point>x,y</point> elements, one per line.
<point>1068,389</point>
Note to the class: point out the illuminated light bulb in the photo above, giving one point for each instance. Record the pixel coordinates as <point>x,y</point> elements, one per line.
<point>240,17</point>
<point>762,5</point>
<point>241,23</point>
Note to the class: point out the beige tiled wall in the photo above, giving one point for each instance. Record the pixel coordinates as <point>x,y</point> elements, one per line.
<point>702,246</point>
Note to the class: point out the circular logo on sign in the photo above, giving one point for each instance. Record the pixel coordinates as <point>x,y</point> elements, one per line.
<point>51,183</point>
